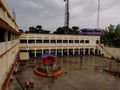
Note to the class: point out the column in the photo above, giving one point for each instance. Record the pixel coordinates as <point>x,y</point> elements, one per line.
<point>55,51</point>
<point>73,51</point>
<point>62,51</point>
<point>35,52</point>
<point>35,42</point>
<point>27,42</point>
<point>42,51</point>
<point>49,41</point>
<point>83,51</point>
<point>68,51</point>
<point>78,51</point>
<point>49,51</point>
<point>93,51</point>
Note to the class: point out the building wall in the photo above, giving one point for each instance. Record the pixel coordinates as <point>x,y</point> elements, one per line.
<point>7,19</point>
<point>9,41</point>
<point>8,53</point>
<point>115,52</point>
<point>44,42</point>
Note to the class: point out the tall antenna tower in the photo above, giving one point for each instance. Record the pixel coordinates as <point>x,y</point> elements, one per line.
<point>66,23</point>
<point>98,16</point>
<point>14,14</point>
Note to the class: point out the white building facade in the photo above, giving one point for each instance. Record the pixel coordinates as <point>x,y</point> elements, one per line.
<point>38,44</point>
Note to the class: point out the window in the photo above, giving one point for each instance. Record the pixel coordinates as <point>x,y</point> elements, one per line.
<point>65,41</point>
<point>9,36</point>
<point>70,41</point>
<point>2,37</point>
<point>59,41</point>
<point>81,41</point>
<point>46,41</point>
<point>31,41</point>
<point>53,41</point>
<point>97,41</point>
<point>76,41</point>
<point>86,41</point>
<point>23,41</point>
<point>38,41</point>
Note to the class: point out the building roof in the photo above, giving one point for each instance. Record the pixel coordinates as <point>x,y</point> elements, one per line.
<point>90,31</point>
<point>46,55</point>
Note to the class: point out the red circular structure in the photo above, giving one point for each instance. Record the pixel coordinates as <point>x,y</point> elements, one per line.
<point>48,60</point>
<point>49,65</point>
<point>44,74</point>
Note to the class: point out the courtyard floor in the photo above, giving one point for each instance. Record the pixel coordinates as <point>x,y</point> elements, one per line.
<point>77,75</point>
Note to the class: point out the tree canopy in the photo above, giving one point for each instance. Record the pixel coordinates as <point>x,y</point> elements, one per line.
<point>37,29</point>
<point>111,36</point>
<point>65,30</point>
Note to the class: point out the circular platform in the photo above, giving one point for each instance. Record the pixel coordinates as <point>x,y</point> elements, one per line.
<point>43,72</point>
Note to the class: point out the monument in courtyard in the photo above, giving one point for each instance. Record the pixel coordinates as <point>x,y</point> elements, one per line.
<point>48,68</point>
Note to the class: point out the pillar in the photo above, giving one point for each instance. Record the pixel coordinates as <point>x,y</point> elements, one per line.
<point>55,51</point>
<point>83,51</point>
<point>62,52</point>
<point>78,51</point>
<point>35,42</point>
<point>27,42</point>
<point>68,51</point>
<point>94,51</point>
<point>35,52</point>
<point>49,51</point>
<point>73,51</point>
<point>42,51</point>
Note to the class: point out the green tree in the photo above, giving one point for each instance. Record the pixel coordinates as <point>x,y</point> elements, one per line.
<point>75,29</point>
<point>111,36</point>
<point>32,30</point>
<point>59,30</point>
<point>39,28</point>
<point>117,31</point>
<point>65,30</point>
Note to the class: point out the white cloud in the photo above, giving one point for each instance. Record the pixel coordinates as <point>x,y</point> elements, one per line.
<point>35,4</point>
<point>50,13</point>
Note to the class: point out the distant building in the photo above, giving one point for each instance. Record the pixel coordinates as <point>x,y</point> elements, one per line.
<point>89,31</point>
<point>38,44</point>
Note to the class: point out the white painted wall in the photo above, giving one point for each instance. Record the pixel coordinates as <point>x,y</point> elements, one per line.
<point>24,56</point>
<point>92,40</point>
<point>115,52</point>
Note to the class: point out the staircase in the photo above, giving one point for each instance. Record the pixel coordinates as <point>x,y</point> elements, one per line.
<point>103,50</point>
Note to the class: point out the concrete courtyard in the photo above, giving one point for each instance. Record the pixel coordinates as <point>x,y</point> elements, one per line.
<point>77,75</point>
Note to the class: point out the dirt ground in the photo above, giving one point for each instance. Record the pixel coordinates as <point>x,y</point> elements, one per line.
<point>85,74</point>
